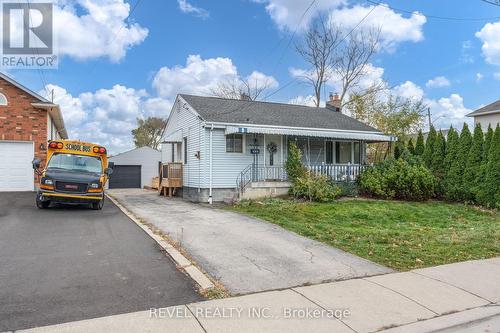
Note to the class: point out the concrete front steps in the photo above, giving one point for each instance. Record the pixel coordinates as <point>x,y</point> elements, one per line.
<point>258,190</point>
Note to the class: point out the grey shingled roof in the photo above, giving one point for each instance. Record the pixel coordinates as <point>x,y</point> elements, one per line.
<point>490,108</point>
<point>278,114</point>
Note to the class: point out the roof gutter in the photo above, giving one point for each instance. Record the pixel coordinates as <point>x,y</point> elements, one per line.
<point>223,125</point>
<point>484,113</point>
<point>56,115</point>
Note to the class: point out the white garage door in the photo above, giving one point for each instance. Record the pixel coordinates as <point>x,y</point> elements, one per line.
<point>16,172</point>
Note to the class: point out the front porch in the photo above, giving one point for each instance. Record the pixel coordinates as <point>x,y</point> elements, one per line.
<point>341,160</point>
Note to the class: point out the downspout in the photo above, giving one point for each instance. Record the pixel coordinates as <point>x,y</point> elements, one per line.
<point>210,167</point>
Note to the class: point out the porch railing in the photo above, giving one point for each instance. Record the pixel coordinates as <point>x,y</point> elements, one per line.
<point>336,172</point>
<point>339,172</point>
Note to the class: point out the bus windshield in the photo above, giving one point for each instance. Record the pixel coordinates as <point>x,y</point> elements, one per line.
<point>75,163</point>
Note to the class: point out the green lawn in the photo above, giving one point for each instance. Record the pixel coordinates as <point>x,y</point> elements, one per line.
<point>400,235</point>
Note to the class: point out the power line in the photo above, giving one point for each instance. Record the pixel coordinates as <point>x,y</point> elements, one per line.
<point>292,36</point>
<point>492,2</point>
<point>448,18</point>
<point>33,51</point>
<point>296,78</point>
<point>117,32</point>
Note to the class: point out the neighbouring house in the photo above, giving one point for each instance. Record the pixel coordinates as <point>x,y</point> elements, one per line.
<point>229,147</point>
<point>27,122</point>
<point>135,168</point>
<point>487,115</point>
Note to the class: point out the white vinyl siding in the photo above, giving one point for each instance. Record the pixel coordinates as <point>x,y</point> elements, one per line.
<point>487,120</point>
<point>227,166</point>
<point>190,127</point>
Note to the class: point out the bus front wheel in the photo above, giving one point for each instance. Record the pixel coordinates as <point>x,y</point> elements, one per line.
<point>42,204</point>
<point>98,205</point>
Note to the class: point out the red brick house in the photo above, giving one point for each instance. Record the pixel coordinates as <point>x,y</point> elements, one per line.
<point>27,122</point>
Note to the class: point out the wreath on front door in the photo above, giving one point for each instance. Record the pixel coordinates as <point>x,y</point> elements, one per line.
<point>272,148</point>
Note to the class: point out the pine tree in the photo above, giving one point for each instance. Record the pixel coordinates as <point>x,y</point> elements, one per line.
<point>456,189</point>
<point>452,142</point>
<point>419,146</point>
<point>398,149</point>
<point>488,138</point>
<point>429,147</point>
<point>473,166</point>
<point>437,161</point>
<point>487,142</point>
<point>489,194</point>
<point>411,146</point>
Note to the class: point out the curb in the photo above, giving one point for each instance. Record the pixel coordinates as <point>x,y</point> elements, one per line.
<point>194,273</point>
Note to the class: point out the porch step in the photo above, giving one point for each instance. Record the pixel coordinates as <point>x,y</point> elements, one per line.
<point>263,189</point>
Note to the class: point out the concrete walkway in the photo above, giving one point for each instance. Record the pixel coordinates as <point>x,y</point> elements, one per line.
<point>245,254</point>
<point>460,297</point>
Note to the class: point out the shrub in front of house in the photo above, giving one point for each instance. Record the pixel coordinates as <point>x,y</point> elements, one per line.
<point>398,179</point>
<point>314,187</point>
<point>293,165</point>
<point>305,184</point>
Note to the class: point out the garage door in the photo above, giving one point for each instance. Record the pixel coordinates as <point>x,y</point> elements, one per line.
<point>16,172</point>
<point>125,176</point>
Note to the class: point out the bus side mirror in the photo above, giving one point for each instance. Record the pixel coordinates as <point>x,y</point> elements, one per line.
<point>108,171</point>
<point>36,163</point>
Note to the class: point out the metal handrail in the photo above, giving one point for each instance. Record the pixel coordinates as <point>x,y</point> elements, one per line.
<point>255,173</point>
<point>244,178</point>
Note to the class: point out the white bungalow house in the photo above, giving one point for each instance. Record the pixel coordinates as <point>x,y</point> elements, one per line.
<point>228,146</point>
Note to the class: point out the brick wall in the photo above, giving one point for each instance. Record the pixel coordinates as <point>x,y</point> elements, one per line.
<point>20,121</point>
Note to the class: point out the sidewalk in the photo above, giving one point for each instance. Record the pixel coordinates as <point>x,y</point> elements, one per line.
<point>460,297</point>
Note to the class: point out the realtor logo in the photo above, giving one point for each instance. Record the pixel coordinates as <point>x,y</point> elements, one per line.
<point>28,35</point>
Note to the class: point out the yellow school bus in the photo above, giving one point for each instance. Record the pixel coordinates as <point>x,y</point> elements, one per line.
<point>75,173</point>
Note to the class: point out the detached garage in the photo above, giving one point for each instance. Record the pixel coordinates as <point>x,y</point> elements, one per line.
<point>135,168</point>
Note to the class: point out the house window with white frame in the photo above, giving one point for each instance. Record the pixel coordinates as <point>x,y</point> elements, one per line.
<point>234,143</point>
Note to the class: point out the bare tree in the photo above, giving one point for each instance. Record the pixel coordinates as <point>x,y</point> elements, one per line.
<point>317,49</point>
<point>333,55</point>
<point>249,88</point>
<point>353,58</point>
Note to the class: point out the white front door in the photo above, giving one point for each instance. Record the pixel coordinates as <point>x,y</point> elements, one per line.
<point>16,171</point>
<point>273,158</point>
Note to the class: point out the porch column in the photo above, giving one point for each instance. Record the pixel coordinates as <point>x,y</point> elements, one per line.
<point>281,138</point>
<point>264,149</point>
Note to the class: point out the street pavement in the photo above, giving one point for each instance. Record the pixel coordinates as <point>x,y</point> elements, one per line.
<point>72,263</point>
<point>410,302</point>
<point>245,254</point>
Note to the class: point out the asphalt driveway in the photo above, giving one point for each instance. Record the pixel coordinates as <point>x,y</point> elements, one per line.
<point>245,254</point>
<point>72,263</point>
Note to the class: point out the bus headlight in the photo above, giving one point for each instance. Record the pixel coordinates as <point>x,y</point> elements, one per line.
<point>95,185</point>
<point>48,181</point>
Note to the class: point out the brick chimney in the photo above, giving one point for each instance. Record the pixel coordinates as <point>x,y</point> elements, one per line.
<point>245,97</point>
<point>334,103</point>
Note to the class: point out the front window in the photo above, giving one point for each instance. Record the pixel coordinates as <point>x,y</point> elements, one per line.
<point>343,150</point>
<point>234,143</point>
<point>72,162</point>
<point>357,152</point>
